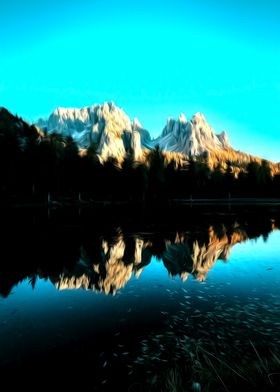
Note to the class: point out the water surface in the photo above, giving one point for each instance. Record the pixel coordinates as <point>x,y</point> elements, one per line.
<point>126,306</point>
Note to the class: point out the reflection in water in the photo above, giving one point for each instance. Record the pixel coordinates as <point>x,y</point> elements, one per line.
<point>105,263</point>
<point>155,332</point>
<point>120,257</point>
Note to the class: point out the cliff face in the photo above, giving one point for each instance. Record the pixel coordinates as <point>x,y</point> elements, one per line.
<point>192,137</point>
<point>106,125</point>
<point>112,130</point>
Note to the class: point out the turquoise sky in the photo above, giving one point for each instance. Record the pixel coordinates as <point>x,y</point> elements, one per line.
<point>154,59</point>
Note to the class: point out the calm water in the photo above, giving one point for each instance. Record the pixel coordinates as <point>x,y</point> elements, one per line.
<point>119,307</point>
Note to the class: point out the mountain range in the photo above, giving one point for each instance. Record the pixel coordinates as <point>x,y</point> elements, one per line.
<point>114,134</point>
<point>112,130</point>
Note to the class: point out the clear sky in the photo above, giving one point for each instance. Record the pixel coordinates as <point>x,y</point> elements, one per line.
<point>155,59</point>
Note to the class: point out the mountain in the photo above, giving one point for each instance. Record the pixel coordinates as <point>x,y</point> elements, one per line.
<point>115,134</point>
<point>109,127</point>
<point>192,137</point>
<point>106,125</point>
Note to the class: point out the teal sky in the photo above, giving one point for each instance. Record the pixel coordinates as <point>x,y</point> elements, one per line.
<point>154,59</point>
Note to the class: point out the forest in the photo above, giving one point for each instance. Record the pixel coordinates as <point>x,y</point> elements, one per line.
<point>35,167</point>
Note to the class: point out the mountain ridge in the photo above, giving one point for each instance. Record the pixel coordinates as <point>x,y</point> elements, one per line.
<point>107,124</point>
<point>115,134</point>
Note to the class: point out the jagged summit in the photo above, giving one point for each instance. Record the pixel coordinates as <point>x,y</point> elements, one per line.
<point>111,128</point>
<point>224,139</point>
<point>191,137</point>
<point>182,118</point>
<point>136,125</point>
<point>198,117</point>
<point>107,125</point>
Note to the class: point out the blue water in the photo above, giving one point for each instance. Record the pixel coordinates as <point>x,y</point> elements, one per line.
<point>45,322</point>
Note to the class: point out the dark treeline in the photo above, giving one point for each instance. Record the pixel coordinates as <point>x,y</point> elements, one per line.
<point>35,167</point>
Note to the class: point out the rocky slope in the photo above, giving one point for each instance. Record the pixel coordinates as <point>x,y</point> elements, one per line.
<point>112,130</point>
<point>192,137</point>
<point>106,125</point>
<point>114,135</point>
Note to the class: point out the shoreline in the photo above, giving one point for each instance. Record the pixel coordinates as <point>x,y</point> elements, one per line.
<point>167,203</point>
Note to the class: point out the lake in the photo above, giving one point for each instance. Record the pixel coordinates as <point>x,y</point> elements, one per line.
<point>182,304</point>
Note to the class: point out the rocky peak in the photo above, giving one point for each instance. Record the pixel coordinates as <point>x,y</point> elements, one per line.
<point>111,128</point>
<point>169,126</point>
<point>182,118</point>
<point>136,125</point>
<point>192,137</point>
<point>198,118</point>
<point>143,136</point>
<point>224,139</point>
<point>107,125</point>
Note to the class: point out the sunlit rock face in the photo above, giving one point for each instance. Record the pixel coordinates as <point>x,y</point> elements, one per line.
<point>106,125</point>
<point>115,134</point>
<point>192,137</point>
<point>146,141</point>
<point>110,128</point>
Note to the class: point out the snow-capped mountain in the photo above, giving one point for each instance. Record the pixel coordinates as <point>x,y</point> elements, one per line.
<point>109,127</point>
<point>106,125</point>
<point>191,137</point>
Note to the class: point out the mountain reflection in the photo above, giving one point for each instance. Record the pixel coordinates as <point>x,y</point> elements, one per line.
<point>73,259</point>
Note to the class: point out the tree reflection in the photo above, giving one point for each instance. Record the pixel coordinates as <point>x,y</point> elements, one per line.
<point>105,260</point>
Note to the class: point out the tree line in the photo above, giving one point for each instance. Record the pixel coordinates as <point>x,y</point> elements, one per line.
<point>34,167</point>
